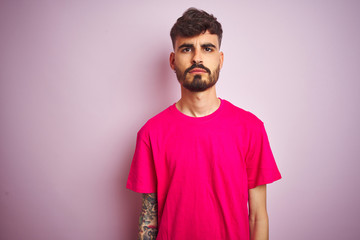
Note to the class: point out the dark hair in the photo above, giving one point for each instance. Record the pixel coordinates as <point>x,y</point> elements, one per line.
<point>194,22</point>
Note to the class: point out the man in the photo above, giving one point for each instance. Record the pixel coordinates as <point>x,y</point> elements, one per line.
<point>200,162</point>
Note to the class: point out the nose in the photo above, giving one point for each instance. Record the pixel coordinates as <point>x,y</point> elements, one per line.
<point>197,57</point>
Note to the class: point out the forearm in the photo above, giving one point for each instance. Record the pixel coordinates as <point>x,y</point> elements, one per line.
<point>148,228</point>
<point>259,228</point>
<point>258,217</point>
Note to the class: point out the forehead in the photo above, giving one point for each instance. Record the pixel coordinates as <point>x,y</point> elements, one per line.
<point>203,38</point>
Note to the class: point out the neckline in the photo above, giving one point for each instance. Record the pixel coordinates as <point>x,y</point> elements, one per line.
<point>197,119</point>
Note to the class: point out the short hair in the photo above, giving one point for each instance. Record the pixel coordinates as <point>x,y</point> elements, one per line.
<point>193,22</point>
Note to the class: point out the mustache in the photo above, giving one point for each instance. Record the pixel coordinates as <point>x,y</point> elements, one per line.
<point>195,65</point>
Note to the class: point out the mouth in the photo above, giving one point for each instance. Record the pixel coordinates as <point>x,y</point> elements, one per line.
<point>198,70</point>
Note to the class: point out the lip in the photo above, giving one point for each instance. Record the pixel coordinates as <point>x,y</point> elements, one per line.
<point>198,70</point>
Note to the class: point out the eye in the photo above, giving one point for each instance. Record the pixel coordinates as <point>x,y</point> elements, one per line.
<point>187,49</point>
<point>208,49</point>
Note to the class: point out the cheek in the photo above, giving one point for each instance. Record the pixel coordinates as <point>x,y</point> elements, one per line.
<point>181,66</point>
<point>212,65</point>
<point>213,61</point>
<point>183,60</point>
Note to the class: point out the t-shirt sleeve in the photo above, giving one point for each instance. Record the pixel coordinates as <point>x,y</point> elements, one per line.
<point>142,175</point>
<point>260,163</point>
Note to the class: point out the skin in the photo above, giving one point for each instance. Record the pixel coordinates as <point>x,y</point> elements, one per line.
<point>148,219</point>
<point>202,49</point>
<point>258,217</point>
<point>197,104</point>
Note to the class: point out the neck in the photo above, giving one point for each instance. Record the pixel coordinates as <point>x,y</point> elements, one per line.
<point>198,104</point>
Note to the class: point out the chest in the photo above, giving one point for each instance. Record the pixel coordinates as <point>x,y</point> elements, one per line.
<point>202,150</point>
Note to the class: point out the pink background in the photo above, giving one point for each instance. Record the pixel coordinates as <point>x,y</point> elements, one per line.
<point>79,78</point>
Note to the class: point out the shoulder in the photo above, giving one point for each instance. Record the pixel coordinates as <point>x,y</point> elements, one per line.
<point>241,116</point>
<point>249,125</point>
<point>156,122</point>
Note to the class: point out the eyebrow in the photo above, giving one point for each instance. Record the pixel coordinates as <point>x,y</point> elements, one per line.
<point>190,45</point>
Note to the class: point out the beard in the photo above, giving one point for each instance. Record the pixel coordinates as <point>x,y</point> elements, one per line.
<point>198,84</point>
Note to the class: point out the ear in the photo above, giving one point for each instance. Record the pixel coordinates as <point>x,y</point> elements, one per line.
<point>221,59</point>
<point>172,60</point>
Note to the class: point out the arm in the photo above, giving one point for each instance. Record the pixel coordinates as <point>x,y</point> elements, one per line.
<point>148,219</point>
<point>258,218</point>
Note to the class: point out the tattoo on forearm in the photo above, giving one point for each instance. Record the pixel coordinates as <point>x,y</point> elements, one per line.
<point>148,228</point>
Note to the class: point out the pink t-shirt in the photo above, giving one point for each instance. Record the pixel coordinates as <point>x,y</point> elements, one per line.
<point>201,169</point>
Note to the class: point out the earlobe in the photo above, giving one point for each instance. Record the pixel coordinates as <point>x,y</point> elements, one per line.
<point>172,60</point>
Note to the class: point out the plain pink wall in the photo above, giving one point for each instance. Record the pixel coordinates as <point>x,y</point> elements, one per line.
<point>79,78</point>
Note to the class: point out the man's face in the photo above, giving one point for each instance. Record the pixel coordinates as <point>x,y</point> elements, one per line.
<point>197,61</point>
